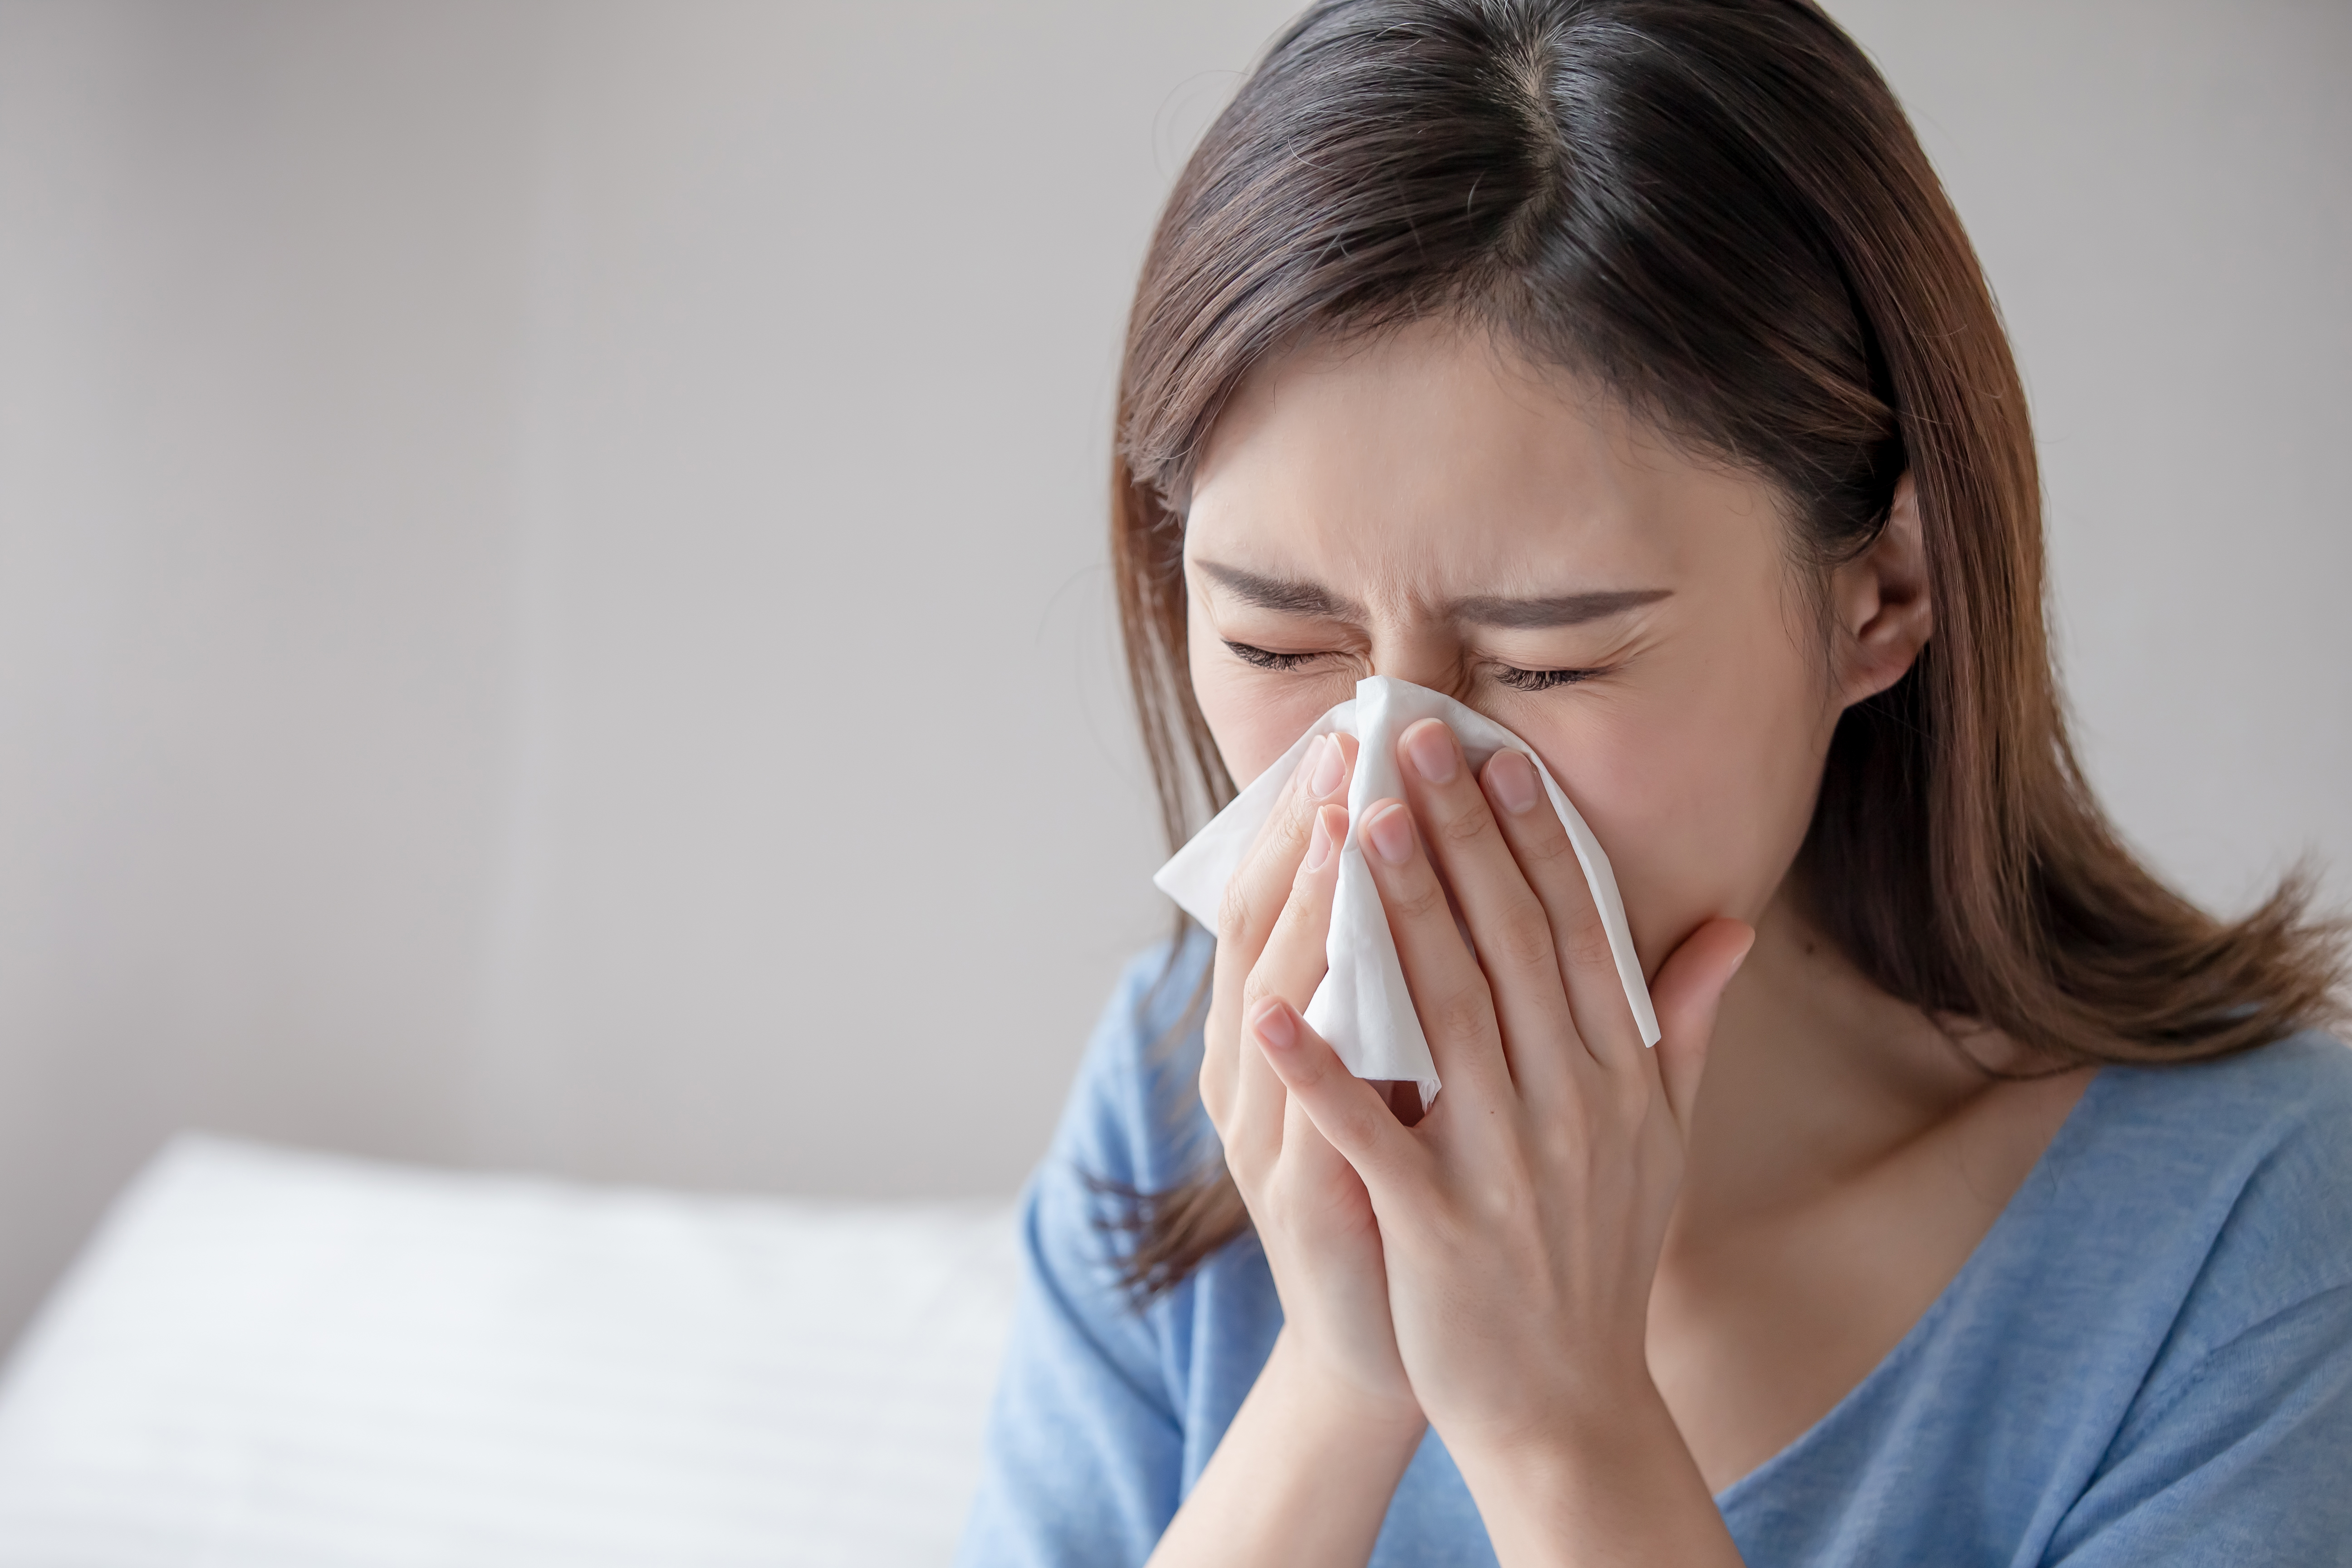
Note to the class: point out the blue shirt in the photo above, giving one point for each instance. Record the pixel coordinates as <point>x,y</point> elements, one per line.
<point>2147,1361</point>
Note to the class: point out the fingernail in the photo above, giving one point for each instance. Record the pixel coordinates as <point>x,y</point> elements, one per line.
<point>1318,846</point>
<point>1390,832</point>
<point>1327,764</point>
<point>1303,776</point>
<point>1431,748</point>
<point>1514,781</point>
<point>1274,1027</point>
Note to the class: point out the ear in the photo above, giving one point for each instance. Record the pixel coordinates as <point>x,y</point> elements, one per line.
<point>1879,600</point>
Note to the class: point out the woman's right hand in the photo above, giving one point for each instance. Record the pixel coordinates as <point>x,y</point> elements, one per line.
<point>1303,1476</point>
<point>1306,1204</point>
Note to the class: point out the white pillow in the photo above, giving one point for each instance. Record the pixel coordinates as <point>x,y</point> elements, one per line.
<point>270,1358</point>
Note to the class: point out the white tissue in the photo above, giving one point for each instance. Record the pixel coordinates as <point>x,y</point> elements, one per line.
<point>1362,1008</point>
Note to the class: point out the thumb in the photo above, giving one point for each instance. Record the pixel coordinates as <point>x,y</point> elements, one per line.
<point>1688,990</point>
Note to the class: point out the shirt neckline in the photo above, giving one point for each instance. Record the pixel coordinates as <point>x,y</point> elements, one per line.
<point>1922,1329</point>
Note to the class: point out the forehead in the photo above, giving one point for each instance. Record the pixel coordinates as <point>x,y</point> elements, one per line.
<point>1433,459</point>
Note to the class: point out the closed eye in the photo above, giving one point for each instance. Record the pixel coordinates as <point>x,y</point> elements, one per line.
<point>1266,658</point>
<point>1542,679</point>
<point>1511,676</point>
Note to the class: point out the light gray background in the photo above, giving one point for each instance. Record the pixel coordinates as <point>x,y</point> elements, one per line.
<point>552,596</point>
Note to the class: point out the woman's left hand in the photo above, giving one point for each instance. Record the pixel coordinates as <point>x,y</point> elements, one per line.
<point>1522,1218</point>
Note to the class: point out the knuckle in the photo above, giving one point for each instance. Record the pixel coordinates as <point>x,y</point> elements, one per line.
<point>1249,905</point>
<point>1500,1202</point>
<point>1418,897</point>
<point>1551,851</point>
<point>1463,1015</point>
<point>1257,986</point>
<point>1353,1126</point>
<point>1293,922</point>
<point>1466,824</point>
<point>1235,911</point>
<point>1522,936</point>
<point>1286,829</point>
<point>1585,945</point>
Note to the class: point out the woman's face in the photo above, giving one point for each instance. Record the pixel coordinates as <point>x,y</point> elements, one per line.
<point>1428,507</point>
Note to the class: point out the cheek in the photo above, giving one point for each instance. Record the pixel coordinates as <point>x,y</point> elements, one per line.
<point>1701,799</point>
<point>1254,717</point>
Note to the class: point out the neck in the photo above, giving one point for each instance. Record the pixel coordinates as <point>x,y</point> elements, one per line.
<point>1814,1075</point>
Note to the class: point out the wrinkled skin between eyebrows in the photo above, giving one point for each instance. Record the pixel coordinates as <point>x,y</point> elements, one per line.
<point>1428,505</point>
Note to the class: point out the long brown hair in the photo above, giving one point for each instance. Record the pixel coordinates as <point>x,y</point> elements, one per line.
<point>1717,210</point>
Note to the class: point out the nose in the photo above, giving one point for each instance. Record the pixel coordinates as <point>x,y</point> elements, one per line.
<point>1425,657</point>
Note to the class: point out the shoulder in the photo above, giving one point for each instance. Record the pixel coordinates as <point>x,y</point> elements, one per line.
<point>2273,1119</point>
<point>1133,1117</point>
<point>2213,1370</point>
<point>2304,1073</point>
<point>2243,1165</point>
<point>1161,994</point>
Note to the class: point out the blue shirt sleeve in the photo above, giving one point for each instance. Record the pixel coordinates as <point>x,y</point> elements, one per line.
<point>1085,1449</point>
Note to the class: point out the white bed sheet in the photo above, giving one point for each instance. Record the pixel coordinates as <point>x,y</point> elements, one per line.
<point>269,1358</point>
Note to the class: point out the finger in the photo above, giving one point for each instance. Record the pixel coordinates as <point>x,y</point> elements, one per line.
<point>1450,995</point>
<point>1253,900</point>
<point>1309,1155</point>
<point>1687,994</point>
<point>1509,928</point>
<point>1350,1114</point>
<point>1290,967</point>
<point>1539,842</point>
<point>1292,963</point>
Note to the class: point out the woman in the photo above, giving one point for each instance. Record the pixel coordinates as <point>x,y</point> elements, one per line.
<point>1620,368</point>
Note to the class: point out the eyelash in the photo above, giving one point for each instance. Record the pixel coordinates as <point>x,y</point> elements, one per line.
<point>1508,675</point>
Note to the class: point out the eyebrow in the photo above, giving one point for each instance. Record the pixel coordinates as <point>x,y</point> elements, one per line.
<point>1557,610</point>
<point>1288,596</point>
<point>1294,597</point>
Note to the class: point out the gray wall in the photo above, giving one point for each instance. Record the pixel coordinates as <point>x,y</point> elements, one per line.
<point>551,603</point>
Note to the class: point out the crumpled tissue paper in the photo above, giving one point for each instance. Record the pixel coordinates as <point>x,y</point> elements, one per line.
<point>1362,1006</point>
